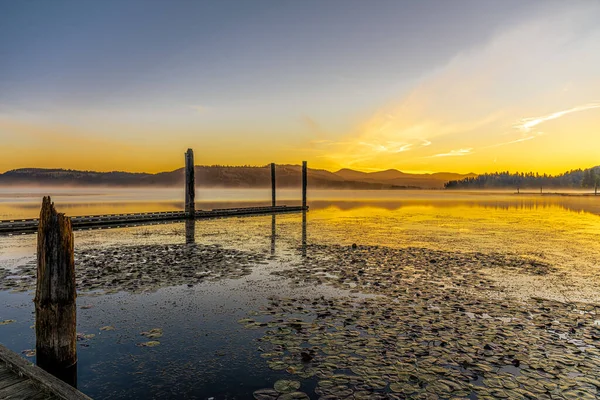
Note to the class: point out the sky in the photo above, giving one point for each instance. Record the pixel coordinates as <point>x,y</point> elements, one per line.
<point>419,86</point>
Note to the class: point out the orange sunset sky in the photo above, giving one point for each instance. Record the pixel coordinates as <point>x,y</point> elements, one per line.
<point>461,86</point>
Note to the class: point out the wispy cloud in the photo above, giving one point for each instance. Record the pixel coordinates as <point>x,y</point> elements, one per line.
<point>526,124</point>
<point>455,153</point>
<point>388,147</point>
<point>524,139</point>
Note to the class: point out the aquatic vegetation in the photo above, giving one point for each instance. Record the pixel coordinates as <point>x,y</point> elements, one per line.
<point>144,268</point>
<point>284,390</point>
<point>83,336</point>
<point>7,321</point>
<point>286,386</point>
<point>152,343</point>
<point>107,328</point>
<point>28,352</point>
<point>153,333</point>
<point>436,329</point>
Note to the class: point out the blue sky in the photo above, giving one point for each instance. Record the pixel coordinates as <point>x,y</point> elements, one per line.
<point>281,76</point>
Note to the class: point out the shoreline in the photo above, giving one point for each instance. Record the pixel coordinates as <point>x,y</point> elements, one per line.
<point>560,194</point>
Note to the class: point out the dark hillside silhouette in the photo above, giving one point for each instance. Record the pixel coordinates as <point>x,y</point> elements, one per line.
<point>574,179</point>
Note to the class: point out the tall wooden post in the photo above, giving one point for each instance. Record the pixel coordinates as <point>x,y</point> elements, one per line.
<point>273,195</point>
<point>304,183</point>
<point>190,185</point>
<point>55,294</point>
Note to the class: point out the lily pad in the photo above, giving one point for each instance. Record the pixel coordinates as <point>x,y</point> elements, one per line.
<point>266,394</point>
<point>294,396</point>
<point>153,333</point>
<point>107,328</point>
<point>152,343</point>
<point>286,386</point>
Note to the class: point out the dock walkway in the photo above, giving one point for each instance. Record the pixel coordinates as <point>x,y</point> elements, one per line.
<point>17,226</point>
<point>20,380</point>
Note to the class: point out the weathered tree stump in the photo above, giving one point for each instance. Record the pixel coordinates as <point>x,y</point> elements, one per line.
<point>55,295</point>
<point>190,185</point>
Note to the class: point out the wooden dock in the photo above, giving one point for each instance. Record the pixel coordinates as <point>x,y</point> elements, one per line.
<point>19,379</point>
<point>20,226</point>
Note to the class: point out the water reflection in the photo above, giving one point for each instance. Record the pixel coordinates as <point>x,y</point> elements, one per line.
<point>304,233</point>
<point>507,202</point>
<point>190,231</point>
<point>67,375</point>
<point>17,207</point>
<point>273,234</point>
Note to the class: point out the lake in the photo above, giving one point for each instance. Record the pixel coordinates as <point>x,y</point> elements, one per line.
<point>380,294</point>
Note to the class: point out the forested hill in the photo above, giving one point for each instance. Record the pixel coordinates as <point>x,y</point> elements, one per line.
<point>574,179</point>
<point>233,177</point>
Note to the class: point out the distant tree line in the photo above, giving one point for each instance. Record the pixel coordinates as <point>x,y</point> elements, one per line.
<point>578,178</point>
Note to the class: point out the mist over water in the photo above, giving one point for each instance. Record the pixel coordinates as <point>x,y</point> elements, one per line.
<point>204,352</point>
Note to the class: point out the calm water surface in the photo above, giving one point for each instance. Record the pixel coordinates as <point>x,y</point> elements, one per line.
<point>204,351</point>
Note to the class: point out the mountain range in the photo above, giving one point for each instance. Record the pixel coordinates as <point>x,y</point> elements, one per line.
<point>232,177</point>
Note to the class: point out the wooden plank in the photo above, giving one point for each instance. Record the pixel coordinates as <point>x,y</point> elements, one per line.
<point>42,395</point>
<point>5,373</point>
<point>47,382</point>
<point>22,390</point>
<point>10,380</point>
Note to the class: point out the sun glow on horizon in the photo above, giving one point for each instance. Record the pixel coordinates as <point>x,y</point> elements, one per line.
<point>523,96</point>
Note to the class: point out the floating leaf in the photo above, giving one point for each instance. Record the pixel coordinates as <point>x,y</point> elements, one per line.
<point>152,343</point>
<point>286,386</point>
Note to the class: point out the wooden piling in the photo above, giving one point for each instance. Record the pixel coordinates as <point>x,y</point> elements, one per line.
<point>273,195</point>
<point>304,184</point>
<point>55,295</point>
<point>190,185</point>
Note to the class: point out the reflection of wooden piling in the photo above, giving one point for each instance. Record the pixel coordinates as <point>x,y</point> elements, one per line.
<point>304,183</point>
<point>273,233</point>
<point>303,233</point>
<point>190,185</point>
<point>190,231</point>
<point>273,197</point>
<point>55,295</point>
